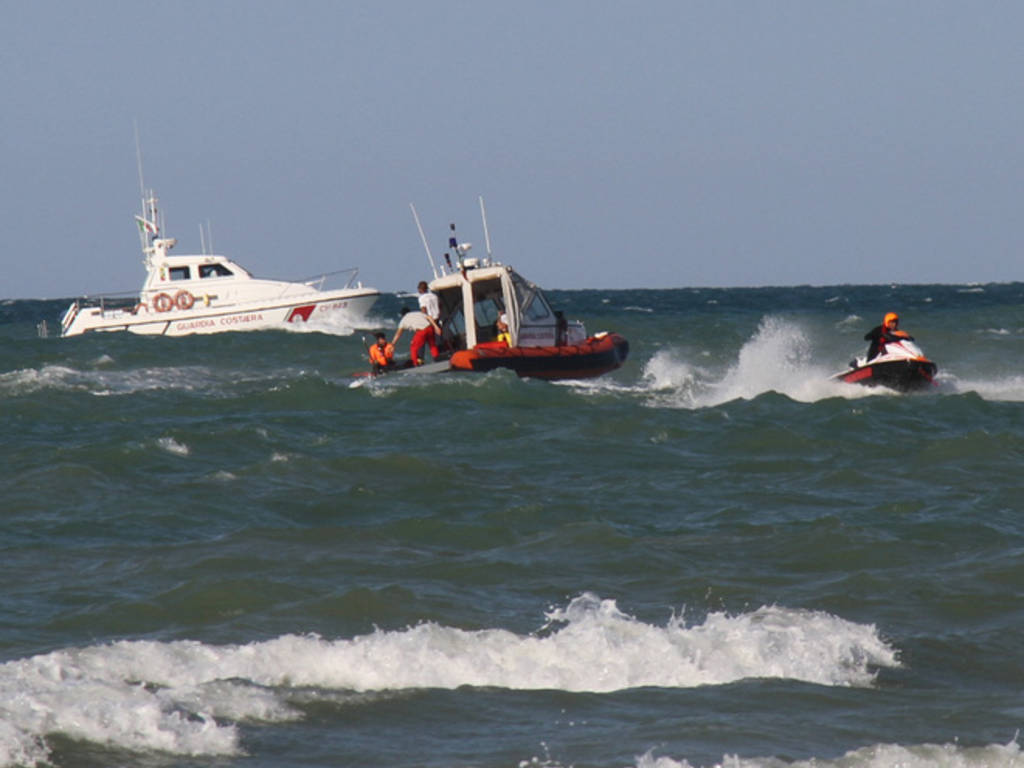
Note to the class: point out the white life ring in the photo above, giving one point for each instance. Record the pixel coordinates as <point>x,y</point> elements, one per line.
<point>162,302</point>
<point>184,300</point>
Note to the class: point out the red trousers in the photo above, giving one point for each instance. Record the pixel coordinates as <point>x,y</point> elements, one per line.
<point>421,337</point>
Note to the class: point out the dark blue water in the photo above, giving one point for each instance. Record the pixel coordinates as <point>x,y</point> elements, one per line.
<point>226,550</point>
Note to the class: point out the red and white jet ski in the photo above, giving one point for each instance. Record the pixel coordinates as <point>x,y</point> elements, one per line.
<point>901,366</point>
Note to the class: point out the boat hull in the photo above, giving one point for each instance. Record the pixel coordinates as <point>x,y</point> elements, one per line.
<point>900,375</point>
<point>248,316</point>
<point>595,356</point>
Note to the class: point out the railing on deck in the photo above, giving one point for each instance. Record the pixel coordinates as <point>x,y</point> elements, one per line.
<point>319,281</point>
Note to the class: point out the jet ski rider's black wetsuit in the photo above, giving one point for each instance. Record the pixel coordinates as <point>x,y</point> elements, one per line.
<point>879,337</point>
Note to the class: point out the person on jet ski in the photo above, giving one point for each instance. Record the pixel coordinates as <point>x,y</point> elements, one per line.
<point>888,331</point>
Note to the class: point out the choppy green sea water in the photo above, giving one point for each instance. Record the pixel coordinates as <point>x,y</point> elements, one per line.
<point>217,551</point>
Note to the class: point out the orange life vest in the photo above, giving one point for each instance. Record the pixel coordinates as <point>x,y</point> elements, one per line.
<point>382,356</point>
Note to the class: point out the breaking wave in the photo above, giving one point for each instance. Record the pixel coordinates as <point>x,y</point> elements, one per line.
<point>186,697</point>
<point>877,756</point>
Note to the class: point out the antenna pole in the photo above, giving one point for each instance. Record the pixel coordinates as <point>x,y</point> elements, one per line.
<point>138,161</point>
<point>487,236</point>
<point>146,215</point>
<point>423,237</point>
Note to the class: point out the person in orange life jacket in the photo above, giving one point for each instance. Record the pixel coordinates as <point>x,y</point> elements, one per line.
<point>503,334</point>
<point>382,354</point>
<point>886,332</point>
<point>423,329</point>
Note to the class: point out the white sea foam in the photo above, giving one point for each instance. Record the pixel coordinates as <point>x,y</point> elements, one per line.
<point>171,445</point>
<point>26,381</point>
<point>778,358</point>
<point>950,755</point>
<point>103,381</point>
<point>340,324</point>
<point>334,326</point>
<point>1007,389</point>
<point>850,321</point>
<point>185,697</point>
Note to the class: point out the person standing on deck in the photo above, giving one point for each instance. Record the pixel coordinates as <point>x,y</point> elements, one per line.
<point>431,307</point>
<point>421,326</point>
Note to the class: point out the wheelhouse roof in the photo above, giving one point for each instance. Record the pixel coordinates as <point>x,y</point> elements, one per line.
<point>472,274</point>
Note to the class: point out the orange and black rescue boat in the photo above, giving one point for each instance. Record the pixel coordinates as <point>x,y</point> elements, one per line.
<point>491,317</point>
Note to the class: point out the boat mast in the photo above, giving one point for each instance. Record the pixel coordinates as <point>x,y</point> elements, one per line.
<point>487,236</point>
<point>205,239</point>
<point>138,162</point>
<point>148,224</point>
<point>143,235</point>
<point>430,257</point>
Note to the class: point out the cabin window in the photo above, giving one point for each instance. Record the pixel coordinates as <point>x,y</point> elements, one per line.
<point>532,304</point>
<point>536,308</point>
<point>179,273</point>
<point>214,270</point>
<point>488,302</point>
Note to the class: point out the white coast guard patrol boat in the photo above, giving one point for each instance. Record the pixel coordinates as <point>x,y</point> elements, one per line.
<point>205,293</point>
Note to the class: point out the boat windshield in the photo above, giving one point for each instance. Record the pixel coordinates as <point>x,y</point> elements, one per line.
<point>533,306</point>
<point>214,270</point>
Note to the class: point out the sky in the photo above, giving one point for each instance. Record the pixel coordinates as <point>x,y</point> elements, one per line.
<point>644,144</point>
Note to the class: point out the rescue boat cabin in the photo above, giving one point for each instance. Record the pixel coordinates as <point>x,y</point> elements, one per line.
<point>475,296</point>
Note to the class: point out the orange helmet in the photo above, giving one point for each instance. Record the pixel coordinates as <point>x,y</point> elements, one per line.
<point>891,318</point>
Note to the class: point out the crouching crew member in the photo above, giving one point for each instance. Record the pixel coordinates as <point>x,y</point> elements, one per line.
<point>382,354</point>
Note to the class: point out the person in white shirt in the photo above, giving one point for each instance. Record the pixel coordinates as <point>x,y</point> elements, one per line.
<point>428,301</point>
<point>423,332</point>
<point>431,308</point>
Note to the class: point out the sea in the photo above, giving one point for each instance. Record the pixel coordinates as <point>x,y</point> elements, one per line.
<point>231,551</point>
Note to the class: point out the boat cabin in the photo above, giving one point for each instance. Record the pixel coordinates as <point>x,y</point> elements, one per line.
<point>207,276</point>
<point>474,297</point>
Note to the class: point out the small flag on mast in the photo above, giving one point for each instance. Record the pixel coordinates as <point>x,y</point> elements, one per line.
<point>145,225</point>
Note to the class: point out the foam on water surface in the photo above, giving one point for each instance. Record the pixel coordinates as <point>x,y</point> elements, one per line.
<point>185,697</point>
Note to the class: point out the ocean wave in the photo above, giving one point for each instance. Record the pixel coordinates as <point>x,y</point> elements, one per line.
<point>106,382</point>
<point>777,358</point>
<point>1009,389</point>
<point>186,697</point>
<point>950,755</point>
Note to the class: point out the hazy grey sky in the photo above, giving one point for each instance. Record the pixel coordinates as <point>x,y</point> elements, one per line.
<point>616,144</point>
